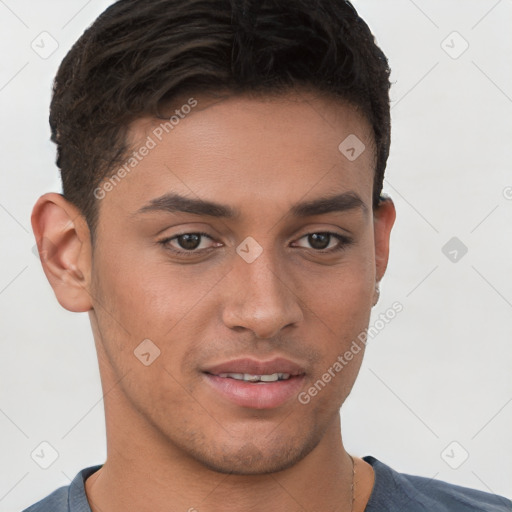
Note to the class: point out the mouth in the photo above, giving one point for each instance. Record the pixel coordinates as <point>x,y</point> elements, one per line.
<point>247,377</point>
<point>255,384</point>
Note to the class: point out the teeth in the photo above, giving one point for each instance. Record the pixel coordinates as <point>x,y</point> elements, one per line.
<point>237,376</point>
<point>251,378</point>
<point>269,378</point>
<point>247,377</point>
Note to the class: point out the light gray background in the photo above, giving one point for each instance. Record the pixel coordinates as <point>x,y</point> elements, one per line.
<point>438,373</point>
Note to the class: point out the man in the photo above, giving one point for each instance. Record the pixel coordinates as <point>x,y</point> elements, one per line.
<point>222,223</point>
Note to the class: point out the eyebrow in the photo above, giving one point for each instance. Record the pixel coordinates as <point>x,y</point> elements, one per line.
<point>176,203</point>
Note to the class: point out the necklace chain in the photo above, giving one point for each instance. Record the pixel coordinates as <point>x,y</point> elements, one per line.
<point>353,481</point>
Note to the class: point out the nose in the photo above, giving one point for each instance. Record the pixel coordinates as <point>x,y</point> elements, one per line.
<point>260,298</point>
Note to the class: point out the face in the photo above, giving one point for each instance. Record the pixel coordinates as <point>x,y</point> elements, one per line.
<point>277,277</point>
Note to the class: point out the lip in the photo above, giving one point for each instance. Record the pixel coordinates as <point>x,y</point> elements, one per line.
<point>256,367</point>
<point>256,395</point>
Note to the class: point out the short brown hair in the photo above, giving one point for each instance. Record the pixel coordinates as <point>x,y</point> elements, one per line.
<point>140,53</point>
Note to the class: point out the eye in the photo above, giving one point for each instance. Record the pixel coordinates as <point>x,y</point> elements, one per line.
<point>193,244</point>
<point>327,241</point>
<point>187,244</point>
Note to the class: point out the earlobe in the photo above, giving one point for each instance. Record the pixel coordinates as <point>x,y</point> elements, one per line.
<point>63,241</point>
<point>384,218</point>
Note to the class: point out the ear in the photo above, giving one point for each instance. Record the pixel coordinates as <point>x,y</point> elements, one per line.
<point>383,219</point>
<point>63,242</point>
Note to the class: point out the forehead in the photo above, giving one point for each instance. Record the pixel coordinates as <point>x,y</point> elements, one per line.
<point>248,151</point>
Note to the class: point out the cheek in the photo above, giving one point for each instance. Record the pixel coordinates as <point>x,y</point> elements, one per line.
<point>340,312</point>
<point>343,295</point>
<point>146,294</point>
<point>345,315</point>
<point>157,301</point>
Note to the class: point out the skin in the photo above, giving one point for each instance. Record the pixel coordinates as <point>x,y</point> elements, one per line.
<point>174,444</point>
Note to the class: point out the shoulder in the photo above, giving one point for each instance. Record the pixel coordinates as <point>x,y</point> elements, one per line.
<point>399,491</point>
<point>69,498</point>
<point>57,501</point>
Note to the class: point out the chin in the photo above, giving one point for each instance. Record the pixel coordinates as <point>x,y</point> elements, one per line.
<point>252,460</point>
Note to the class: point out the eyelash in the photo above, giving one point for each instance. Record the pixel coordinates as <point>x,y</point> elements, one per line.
<point>344,243</point>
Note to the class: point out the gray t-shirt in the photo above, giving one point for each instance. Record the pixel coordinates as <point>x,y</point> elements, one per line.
<point>392,492</point>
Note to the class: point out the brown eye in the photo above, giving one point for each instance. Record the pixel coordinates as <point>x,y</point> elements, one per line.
<point>325,242</point>
<point>189,241</point>
<point>319,240</point>
<point>188,244</point>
